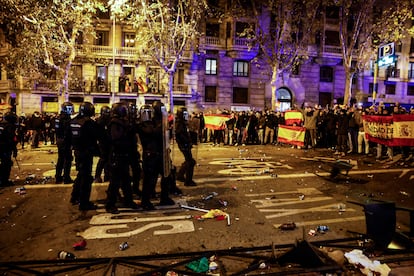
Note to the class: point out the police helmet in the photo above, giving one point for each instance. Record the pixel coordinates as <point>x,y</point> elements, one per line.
<point>182,114</point>
<point>10,117</point>
<point>132,111</point>
<point>146,113</point>
<point>67,108</point>
<point>86,109</point>
<point>159,108</point>
<point>105,111</point>
<point>119,110</point>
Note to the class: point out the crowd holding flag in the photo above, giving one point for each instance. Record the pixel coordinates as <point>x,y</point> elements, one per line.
<point>393,130</point>
<point>216,121</point>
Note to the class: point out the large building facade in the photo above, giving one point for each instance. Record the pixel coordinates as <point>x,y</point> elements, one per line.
<point>223,73</point>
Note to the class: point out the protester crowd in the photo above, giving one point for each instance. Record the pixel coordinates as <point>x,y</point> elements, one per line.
<point>338,128</point>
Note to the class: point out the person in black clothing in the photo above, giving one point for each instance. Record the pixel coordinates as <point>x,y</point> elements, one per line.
<point>342,131</point>
<point>83,136</point>
<point>135,160</point>
<point>104,145</point>
<point>22,130</point>
<point>119,158</point>
<point>182,136</point>
<point>7,147</point>
<point>151,134</point>
<point>36,124</point>
<point>64,161</point>
<point>241,125</point>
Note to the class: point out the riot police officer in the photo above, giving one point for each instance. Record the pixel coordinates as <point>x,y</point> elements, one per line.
<point>7,147</point>
<point>183,139</point>
<point>151,134</point>
<point>119,158</point>
<point>135,161</point>
<point>83,136</point>
<point>64,161</point>
<point>104,144</point>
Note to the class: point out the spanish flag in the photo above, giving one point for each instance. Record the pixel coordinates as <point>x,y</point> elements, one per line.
<point>216,121</point>
<point>293,117</point>
<point>292,135</point>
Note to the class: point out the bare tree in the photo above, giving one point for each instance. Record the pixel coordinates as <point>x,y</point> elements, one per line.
<point>49,35</point>
<point>284,38</point>
<point>165,30</point>
<point>363,26</point>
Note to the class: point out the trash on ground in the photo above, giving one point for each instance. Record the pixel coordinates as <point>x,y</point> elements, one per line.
<point>123,246</point>
<point>200,266</point>
<point>365,265</point>
<point>322,229</point>
<point>79,245</point>
<point>20,190</point>
<point>210,196</point>
<point>288,226</point>
<point>66,255</point>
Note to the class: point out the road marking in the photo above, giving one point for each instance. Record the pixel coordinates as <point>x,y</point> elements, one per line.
<point>326,221</point>
<point>114,219</point>
<point>103,231</point>
<point>305,191</point>
<point>288,212</point>
<point>286,201</point>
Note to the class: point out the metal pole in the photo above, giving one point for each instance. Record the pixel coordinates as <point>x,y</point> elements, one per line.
<point>113,60</point>
<point>374,89</point>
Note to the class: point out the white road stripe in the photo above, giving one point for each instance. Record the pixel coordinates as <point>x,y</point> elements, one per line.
<point>326,221</point>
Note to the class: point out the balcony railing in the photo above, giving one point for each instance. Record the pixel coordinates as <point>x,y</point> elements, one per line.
<point>411,74</point>
<point>128,53</point>
<point>211,40</point>
<point>332,49</point>
<point>80,87</point>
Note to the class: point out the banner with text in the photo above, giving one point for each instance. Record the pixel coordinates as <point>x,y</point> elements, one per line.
<point>395,130</point>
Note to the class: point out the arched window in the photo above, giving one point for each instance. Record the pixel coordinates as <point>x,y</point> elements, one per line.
<point>284,99</point>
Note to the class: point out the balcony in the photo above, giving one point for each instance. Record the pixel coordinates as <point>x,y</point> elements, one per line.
<point>99,51</point>
<point>126,53</point>
<point>410,74</point>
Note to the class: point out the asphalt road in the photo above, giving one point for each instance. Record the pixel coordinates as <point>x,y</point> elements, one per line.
<point>255,188</point>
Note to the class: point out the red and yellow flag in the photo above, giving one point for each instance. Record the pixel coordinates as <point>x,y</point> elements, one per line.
<point>293,117</point>
<point>216,121</point>
<point>394,130</point>
<point>292,135</point>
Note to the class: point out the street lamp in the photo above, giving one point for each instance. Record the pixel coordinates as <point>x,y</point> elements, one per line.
<point>116,8</point>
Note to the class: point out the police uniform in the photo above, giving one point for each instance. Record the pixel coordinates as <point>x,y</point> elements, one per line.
<point>150,132</point>
<point>119,159</point>
<point>83,136</point>
<point>7,147</point>
<point>65,157</point>
<point>135,161</point>
<point>104,145</point>
<point>183,139</point>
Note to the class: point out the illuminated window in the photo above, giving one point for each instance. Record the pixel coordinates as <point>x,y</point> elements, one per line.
<point>241,68</point>
<point>211,66</point>
<point>129,40</point>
